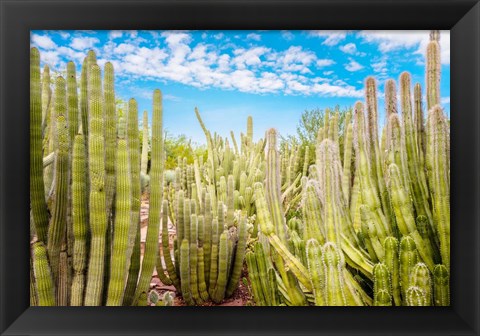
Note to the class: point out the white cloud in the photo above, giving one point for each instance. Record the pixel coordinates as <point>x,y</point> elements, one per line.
<point>389,41</point>
<point>81,43</point>
<point>445,100</point>
<point>43,42</point>
<point>328,73</point>
<point>332,37</point>
<point>294,59</point>
<point>124,48</point>
<point>114,34</point>
<point>171,98</point>
<point>287,35</point>
<point>253,36</point>
<point>52,58</point>
<point>218,36</point>
<point>64,35</point>
<point>249,57</point>
<point>324,62</point>
<point>178,58</point>
<point>353,66</point>
<point>349,48</point>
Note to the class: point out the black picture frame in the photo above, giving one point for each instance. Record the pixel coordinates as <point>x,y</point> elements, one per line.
<point>18,17</point>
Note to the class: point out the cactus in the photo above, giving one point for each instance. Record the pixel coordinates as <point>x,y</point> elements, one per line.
<point>57,226</point>
<point>381,286</point>
<point>415,296</point>
<point>420,277</point>
<point>239,257</point>
<point>438,172</point>
<point>156,193</point>
<point>144,161</point>
<point>392,262</point>
<point>432,74</point>
<point>408,260</point>
<point>334,278</point>
<point>118,266</point>
<point>441,286</point>
<point>110,135</point>
<point>37,189</point>
<point>43,276</point>
<point>80,219</point>
<point>316,269</point>
<point>97,206</point>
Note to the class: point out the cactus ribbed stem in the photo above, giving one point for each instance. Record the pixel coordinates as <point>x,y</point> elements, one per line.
<point>58,222</point>
<point>272,189</point>
<point>408,260</point>
<point>144,161</point>
<point>239,257</point>
<point>133,271</point>
<point>185,272</point>
<point>37,187</point>
<point>110,135</point>
<point>46,97</point>
<point>441,286</point>
<point>381,286</point>
<point>316,269</point>
<point>43,276</point>
<point>420,277</point>
<point>167,257</point>
<point>97,205</point>
<point>403,209</point>
<point>433,68</point>
<point>133,144</point>
<point>221,284</point>
<point>80,220</point>
<point>214,257</point>
<point>347,162</point>
<point>118,266</point>
<point>438,168</point>
<point>156,193</point>
<point>392,262</point>
<point>334,278</point>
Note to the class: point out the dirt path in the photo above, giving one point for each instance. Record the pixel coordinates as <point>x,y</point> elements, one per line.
<point>239,298</point>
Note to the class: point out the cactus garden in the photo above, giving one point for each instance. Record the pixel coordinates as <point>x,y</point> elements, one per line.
<point>359,215</point>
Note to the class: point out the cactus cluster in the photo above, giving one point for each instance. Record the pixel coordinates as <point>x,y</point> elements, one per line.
<point>372,223</point>
<point>85,190</point>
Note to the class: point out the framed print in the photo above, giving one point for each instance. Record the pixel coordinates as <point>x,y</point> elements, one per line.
<point>300,160</point>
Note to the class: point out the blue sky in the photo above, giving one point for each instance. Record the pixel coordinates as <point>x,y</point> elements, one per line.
<point>272,75</point>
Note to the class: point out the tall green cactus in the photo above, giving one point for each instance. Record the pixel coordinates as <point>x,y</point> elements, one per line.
<point>438,172</point>
<point>316,268</point>
<point>110,134</point>
<point>97,203</point>
<point>80,220</point>
<point>57,226</point>
<point>118,265</point>
<point>441,286</point>
<point>144,161</point>
<point>43,277</point>
<point>433,74</point>
<point>156,193</point>
<point>37,188</point>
